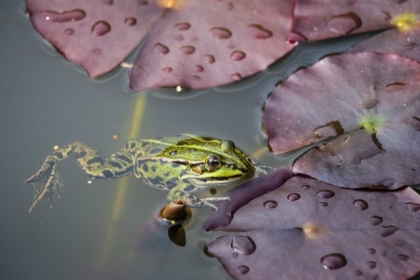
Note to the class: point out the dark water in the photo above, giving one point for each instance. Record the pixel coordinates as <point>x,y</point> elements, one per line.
<point>46,101</point>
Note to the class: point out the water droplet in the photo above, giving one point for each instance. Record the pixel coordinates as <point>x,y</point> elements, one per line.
<point>270,204</point>
<point>236,76</point>
<point>187,50</point>
<point>199,68</point>
<point>73,15</point>
<point>108,2</point>
<point>325,194</point>
<point>360,204</point>
<point>371,264</point>
<point>100,28</point>
<point>242,269</point>
<point>333,261</point>
<point>130,21</point>
<point>293,196</point>
<point>412,207</point>
<point>375,220</point>
<point>97,51</point>
<point>345,23</point>
<point>258,32</point>
<point>161,49</point>
<point>230,6</point>
<point>142,3</point>
<point>235,255</point>
<point>178,37</point>
<point>167,70</point>
<point>69,31</point>
<point>388,230</point>
<point>305,187</point>
<point>221,33</point>
<point>372,251</point>
<point>237,55</point>
<point>243,245</point>
<point>402,257</point>
<point>183,26</point>
<point>209,58</point>
<point>324,204</point>
<point>370,103</point>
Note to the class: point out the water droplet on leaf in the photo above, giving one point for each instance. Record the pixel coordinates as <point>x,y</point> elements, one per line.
<point>209,58</point>
<point>187,50</point>
<point>360,204</point>
<point>243,245</point>
<point>100,28</point>
<point>371,264</point>
<point>402,257</point>
<point>333,261</point>
<point>237,55</point>
<point>167,70</point>
<point>69,31</point>
<point>293,196</point>
<point>412,207</point>
<point>130,21</point>
<point>161,49</point>
<point>325,194</point>
<point>270,204</point>
<point>221,33</point>
<point>183,26</point>
<point>388,230</point>
<point>375,220</point>
<point>259,32</point>
<point>68,16</point>
<point>236,76</point>
<point>345,23</point>
<point>242,269</point>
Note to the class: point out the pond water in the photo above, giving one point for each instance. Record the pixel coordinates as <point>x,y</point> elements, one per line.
<point>47,101</point>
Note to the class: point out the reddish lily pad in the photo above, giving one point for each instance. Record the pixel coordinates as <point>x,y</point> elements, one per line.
<point>371,101</point>
<point>320,19</point>
<point>307,229</point>
<point>97,35</point>
<point>392,41</point>
<point>209,43</point>
<point>196,44</point>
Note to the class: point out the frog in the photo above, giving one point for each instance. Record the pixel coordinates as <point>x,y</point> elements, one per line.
<point>180,164</point>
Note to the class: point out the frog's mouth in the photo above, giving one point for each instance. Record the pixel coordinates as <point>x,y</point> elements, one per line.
<point>204,182</point>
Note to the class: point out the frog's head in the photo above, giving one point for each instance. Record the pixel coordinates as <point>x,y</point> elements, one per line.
<point>211,161</point>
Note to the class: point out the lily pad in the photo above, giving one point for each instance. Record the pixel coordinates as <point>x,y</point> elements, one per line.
<point>195,44</point>
<point>97,35</point>
<point>370,100</point>
<point>320,19</point>
<point>392,41</point>
<point>307,229</point>
<point>209,43</point>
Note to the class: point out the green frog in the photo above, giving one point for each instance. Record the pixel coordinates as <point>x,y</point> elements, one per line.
<point>180,164</point>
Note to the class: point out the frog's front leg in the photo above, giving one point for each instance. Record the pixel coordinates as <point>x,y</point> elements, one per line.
<point>183,192</point>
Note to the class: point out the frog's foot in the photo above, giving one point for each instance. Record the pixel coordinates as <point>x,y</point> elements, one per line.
<point>47,184</point>
<point>192,200</point>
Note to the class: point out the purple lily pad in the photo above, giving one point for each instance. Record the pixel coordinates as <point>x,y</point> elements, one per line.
<point>320,19</point>
<point>196,44</point>
<point>371,101</point>
<point>97,35</point>
<point>307,229</point>
<point>209,43</point>
<point>243,194</point>
<point>392,41</point>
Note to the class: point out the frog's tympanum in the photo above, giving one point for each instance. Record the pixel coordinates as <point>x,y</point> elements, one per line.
<point>180,164</point>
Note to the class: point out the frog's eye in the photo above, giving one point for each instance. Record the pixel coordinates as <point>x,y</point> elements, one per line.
<point>212,163</point>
